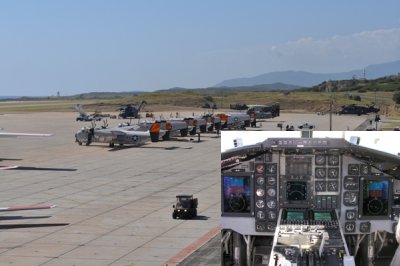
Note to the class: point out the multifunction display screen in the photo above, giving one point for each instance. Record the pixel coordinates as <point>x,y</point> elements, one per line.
<point>292,215</point>
<point>236,194</point>
<point>375,197</point>
<point>322,216</point>
<point>296,190</point>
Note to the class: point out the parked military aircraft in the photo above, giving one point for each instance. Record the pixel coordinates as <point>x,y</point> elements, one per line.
<point>173,128</point>
<point>168,128</point>
<point>196,124</point>
<point>83,116</point>
<point>213,122</point>
<point>130,111</point>
<point>234,120</point>
<point>358,110</point>
<point>134,135</point>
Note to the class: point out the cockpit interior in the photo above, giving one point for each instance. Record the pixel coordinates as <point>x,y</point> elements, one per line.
<point>309,201</point>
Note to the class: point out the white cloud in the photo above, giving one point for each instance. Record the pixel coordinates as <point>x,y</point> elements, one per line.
<point>337,53</point>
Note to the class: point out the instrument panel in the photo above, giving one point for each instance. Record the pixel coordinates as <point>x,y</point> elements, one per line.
<point>318,178</point>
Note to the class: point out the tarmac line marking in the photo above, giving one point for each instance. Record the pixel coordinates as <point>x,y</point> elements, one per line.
<point>194,246</point>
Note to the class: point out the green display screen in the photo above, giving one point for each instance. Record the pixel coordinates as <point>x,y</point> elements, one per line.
<point>322,216</point>
<point>294,216</point>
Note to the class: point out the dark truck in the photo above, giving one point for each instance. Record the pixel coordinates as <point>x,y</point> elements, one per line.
<point>185,208</point>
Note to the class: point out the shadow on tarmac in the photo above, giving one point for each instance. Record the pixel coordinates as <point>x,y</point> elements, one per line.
<point>16,226</point>
<point>3,218</point>
<point>200,218</point>
<point>150,147</point>
<point>43,168</point>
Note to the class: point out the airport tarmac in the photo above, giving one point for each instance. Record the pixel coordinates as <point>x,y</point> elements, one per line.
<point>114,206</point>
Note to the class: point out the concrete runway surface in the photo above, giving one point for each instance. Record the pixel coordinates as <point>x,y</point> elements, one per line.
<point>114,205</point>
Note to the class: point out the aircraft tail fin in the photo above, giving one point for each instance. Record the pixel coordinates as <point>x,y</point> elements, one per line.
<point>141,106</point>
<point>80,110</point>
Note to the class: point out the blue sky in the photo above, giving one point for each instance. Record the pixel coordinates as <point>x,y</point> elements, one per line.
<point>82,46</point>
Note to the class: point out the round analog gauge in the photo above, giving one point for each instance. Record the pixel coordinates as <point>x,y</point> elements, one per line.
<point>260,168</point>
<point>350,226</point>
<point>271,226</point>
<point>320,172</point>
<point>333,160</point>
<point>320,186</point>
<point>271,215</point>
<point>350,182</point>
<point>333,186</point>
<point>320,159</point>
<point>333,173</point>
<point>260,204</point>
<point>271,204</point>
<point>350,198</point>
<point>260,227</point>
<point>271,168</point>
<point>271,192</point>
<point>261,215</point>
<point>364,169</point>
<point>260,192</point>
<point>271,180</point>
<point>354,169</point>
<point>260,180</point>
<point>350,215</point>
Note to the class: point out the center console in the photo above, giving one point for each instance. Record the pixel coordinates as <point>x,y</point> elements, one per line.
<point>309,237</point>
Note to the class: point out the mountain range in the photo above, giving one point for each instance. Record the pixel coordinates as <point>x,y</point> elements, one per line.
<point>307,79</point>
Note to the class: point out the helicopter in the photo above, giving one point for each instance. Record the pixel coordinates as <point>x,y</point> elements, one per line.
<point>130,111</point>
<point>358,110</point>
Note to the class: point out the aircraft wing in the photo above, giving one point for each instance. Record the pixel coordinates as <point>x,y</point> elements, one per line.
<point>26,207</point>
<point>129,133</point>
<point>16,134</point>
<point>6,167</point>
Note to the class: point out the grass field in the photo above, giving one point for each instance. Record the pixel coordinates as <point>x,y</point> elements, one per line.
<point>161,101</point>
